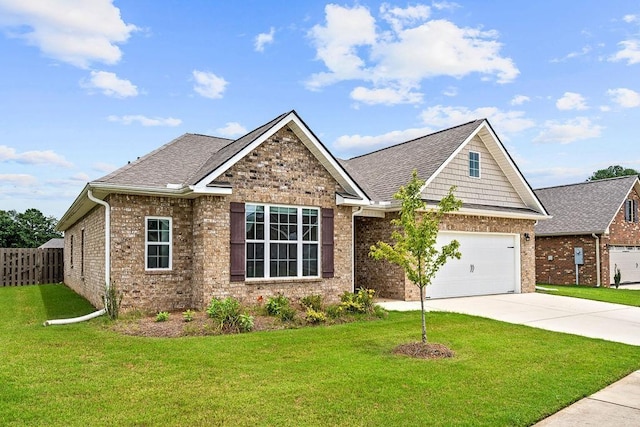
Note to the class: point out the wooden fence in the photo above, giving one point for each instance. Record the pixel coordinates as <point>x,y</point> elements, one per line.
<point>30,266</point>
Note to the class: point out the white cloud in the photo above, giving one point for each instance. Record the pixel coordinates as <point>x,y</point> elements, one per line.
<point>569,131</point>
<point>231,129</point>
<point>630,52</point>
<point>145,121</point>
<point>625,98</point>
<point>387,96</point>
<point>346,142</point>
<point>582,52</point>
<point>630,18</point>
<point>34,157</point>
<point>110,85</point>
<point>353,46</point>
<point>450,91</point>
<point>18,180</point>
<point>504,122</point>
<point>78,32</point>
<point>571,101</point>
<point>520,99</point>
<point>208,84</point>
<point>263,39</point>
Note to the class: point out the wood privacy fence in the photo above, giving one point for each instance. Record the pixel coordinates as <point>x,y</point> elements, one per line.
<point>19,266</point>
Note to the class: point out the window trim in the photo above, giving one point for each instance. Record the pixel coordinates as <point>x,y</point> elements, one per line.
<point>147,243</point>
<point>479,164</point>
<point>631,210</point>
<point>299,242</point>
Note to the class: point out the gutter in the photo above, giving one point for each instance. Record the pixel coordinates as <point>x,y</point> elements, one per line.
<point>598,278</point>
<point>107,265</point>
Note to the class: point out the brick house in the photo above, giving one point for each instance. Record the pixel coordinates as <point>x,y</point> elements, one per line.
<point>274,212</point>
<point>599,220</point>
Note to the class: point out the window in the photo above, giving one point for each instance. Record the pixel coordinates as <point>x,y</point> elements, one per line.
<point>281,241</point>
<point>158,245</point>
<point>82,252</point>
<point>71,249</point>
<point>631,210</point>
<point>474,164</point>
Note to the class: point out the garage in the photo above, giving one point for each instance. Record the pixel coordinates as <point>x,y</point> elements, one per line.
<point>627,259</point>
<point>489,265</point>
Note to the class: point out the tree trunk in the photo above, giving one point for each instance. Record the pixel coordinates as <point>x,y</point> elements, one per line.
<point>424,322</point>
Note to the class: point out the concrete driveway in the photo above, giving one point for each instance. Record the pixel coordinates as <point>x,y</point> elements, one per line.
<point>612,322</point>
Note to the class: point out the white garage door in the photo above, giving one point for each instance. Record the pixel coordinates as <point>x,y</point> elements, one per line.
<point>489,265</point>
<point>627,258</point>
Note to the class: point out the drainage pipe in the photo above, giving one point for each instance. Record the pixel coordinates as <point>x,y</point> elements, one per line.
<point>353,246</point>
<point>107,265</point>
<point>598,278</point>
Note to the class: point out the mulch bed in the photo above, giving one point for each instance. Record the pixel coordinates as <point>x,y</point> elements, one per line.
<point>424,350</point>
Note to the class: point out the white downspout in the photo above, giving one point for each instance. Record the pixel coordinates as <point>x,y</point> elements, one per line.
<point>598,278</point>
<point>353,246</point>
<point>107,265</point>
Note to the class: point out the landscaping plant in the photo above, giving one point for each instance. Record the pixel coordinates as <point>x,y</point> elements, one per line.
<point>415,234</point>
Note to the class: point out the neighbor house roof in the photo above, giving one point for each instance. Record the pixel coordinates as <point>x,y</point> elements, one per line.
<point>55,243</point>
<point>584,208</point>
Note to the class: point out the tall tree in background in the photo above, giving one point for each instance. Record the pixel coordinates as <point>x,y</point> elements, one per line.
<point>28,229</point>
<point>415,236</point>
<point>612,172</point>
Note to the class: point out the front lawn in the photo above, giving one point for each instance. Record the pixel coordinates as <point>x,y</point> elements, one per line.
<point>613,295</point>
<point>86,374</point>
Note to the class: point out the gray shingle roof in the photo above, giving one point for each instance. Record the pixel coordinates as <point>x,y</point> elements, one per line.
<point>382,172</point>
<point>173,163</point>
<point>583,208</point>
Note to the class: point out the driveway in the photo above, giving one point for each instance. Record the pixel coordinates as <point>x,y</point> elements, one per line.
<point>595,319</point>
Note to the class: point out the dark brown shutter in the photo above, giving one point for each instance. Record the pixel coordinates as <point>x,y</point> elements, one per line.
<point>327,242</point>
<point>237,242</point>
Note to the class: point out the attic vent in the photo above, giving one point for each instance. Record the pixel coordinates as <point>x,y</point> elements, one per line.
<point>228,175</point>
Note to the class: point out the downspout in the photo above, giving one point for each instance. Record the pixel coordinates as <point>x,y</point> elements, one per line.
<point>598,278</point>
<point>107,265</point>
<point>353,246</point>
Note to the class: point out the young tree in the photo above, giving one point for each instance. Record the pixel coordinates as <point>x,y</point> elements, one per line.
<point>415,238</point>
<point>612,172</point>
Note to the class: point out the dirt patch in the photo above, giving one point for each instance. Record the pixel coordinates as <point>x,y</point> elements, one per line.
<point>424,350</point>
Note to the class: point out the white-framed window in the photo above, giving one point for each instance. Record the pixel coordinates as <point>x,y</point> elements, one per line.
<point>282,241</point>
<point>474,164</point>
<point>631,210</point>
<point>158,245</point>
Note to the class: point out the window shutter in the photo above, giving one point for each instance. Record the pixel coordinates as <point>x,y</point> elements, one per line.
<point>635,211</point>
<point>327,243</point>
<point>237,220</point>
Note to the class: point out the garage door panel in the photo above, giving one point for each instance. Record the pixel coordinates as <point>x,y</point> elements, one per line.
<point>487,266</point>
<point>627,259</point>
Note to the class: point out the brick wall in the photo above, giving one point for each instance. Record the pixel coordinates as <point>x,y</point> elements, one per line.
<point>87,280</point>
<point>389,280</point>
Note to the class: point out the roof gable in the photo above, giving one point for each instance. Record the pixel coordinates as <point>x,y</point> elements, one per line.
<point>584,208</point>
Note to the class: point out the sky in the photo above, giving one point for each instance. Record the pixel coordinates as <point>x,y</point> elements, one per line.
<point>88,85</point>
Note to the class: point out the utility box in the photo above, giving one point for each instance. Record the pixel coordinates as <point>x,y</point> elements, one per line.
<point>578,256</point>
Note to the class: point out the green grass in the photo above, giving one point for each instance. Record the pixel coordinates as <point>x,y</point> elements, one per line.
<point>616,296</point>
<point>85,374</point>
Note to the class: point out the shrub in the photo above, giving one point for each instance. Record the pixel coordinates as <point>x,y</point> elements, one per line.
<point>112,301</point>
<point>275,304</point>
<point>617,277</point>
<point>188,315</point>
<point>162,316</point>
<point>287,313</point>
<point>334,311</point>
<point>227,313</point>
<point>314,302</point>
<point>360,302</point>
<point>314,316</point>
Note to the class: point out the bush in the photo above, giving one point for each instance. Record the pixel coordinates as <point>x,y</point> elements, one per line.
<point>360,302</point>
<point>280,307</point>
<point>227,313</point>
<point>314,302</point>
<point>188,315</point>
<point>314,316</point>
<point>334,311</point>
<point>162,316</point>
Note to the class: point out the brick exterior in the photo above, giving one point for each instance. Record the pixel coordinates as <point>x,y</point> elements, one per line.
<point>280,171</point>
<point>389,280</point>
<point>561,269</point>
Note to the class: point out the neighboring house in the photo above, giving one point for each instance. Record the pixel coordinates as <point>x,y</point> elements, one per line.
<point>55,243</point>
<point>599,219</point>
<point>274,212</point>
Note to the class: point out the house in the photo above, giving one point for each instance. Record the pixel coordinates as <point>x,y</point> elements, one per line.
<point>275,212</point>
<point>55,243</point>
<point>594,229</point>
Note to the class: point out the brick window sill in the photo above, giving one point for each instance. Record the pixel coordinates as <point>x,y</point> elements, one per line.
<point>279,281</point>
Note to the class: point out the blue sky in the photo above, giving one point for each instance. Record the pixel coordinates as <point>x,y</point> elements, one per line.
<point>89,85</point>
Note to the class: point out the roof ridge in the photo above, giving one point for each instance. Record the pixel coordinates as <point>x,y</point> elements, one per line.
<point>414,139</point>
<point>595,181</point>
<point>208,136</point>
